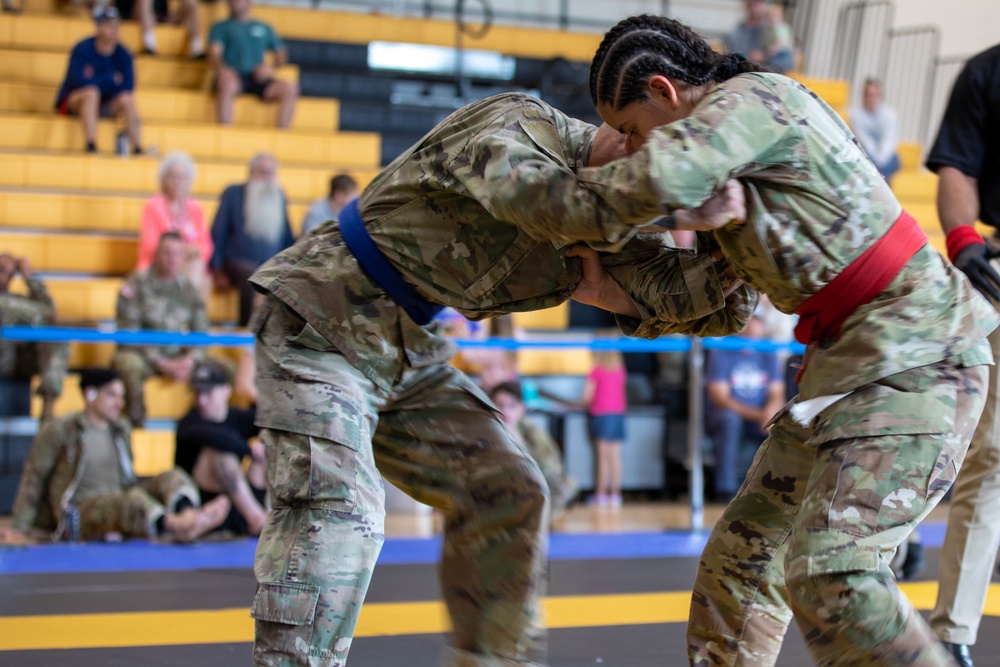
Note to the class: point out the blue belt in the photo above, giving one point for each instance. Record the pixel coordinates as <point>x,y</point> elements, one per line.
<point>378,268</point>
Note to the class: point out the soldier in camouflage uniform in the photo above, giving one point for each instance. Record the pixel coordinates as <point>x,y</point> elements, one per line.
<point>160,298</point>
<point>19,359</point>
<point>896,364</point>
<point>83,461</point>
<point>355,384</point>
<point>509,399</point>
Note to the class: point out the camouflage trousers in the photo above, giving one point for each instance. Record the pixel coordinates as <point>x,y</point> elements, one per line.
<point>22,359</point>
<point>135,511</point>
<point>813,529</point>
<point>134,371</point>
<point>330,434</point>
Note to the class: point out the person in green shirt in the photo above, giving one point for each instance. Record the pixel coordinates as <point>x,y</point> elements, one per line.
<point>237,49</point>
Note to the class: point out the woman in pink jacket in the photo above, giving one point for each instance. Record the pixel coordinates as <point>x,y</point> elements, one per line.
<point>173,210</point>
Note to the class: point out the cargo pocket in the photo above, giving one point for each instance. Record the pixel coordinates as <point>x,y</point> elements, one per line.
<point>284,612</point>
<point>879,452</point>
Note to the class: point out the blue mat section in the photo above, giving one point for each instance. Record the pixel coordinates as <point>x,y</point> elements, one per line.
<point>139,555</point>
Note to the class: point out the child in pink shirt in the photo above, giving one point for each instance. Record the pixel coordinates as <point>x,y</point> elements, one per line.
<point>604,396</point>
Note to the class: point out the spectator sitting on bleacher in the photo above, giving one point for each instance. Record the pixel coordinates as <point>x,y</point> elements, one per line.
<point>160,298</point>
<point>251,225</point>
<point>236,50</point>
<point>509,399</point>
<point>212,441</point>
<point>343,189</point>
<point>174,210</point>
<point>748,37</point>
<point>150,12</point>
<point>876,125</point>
<point>79,471</point>
<point>745,389</point>
<point>778,40</point>
<point>20,360</point>
<point>99,81</point>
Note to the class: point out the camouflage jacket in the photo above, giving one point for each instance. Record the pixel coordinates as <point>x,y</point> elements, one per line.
<point>51,472</point>
<point>148,302</point>
<point>815,202</point>
<point>460,215</point>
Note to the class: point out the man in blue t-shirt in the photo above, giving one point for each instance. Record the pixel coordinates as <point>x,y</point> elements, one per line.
<point>99,81</point>
<point>745,389</point>
<point>236,50</point>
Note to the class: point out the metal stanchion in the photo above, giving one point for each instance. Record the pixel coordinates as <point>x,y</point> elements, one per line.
<point>696,418</point>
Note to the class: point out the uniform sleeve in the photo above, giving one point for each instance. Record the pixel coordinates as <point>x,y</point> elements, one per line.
<point>682,290</point>
<point>516,170</point>
<point>732,133</point>
<point>35,476</point>
<point>959,142</point>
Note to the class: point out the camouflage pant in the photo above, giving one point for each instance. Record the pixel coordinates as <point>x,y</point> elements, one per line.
<point>135,511</point>
<point>814,527</point>
<point>134,371</point>
<point>435,436</point>
<point>22,359</point>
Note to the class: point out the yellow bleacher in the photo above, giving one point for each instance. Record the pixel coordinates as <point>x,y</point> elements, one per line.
<point>49,67</point>
<point>105,213</point>
<point>47,31</point>
<point>202,141</point>
<point>111,173</point>
<point>179,105</point>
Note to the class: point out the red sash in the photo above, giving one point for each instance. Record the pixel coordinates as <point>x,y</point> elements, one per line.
<point>823,314</point>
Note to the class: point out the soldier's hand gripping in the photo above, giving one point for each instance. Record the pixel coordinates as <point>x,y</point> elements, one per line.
<point>974,262</point>
<point>597,287</point>
<point>725,206</point>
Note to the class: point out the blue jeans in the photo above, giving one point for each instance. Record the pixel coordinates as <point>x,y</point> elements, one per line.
<point>889,168</point>
<point>728,431</point>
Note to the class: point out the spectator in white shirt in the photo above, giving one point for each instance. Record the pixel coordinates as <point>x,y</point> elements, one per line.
<point>876,126</point>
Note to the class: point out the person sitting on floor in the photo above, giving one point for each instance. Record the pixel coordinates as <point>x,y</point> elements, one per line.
<point>509,399</point>
<point>212,441</point>
<point>78,481</point>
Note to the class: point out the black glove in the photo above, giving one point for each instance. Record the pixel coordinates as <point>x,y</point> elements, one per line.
<point>974,261</point>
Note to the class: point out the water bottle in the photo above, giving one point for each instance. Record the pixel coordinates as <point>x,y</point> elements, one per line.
<point>122,144</point>
<point>71,524</point>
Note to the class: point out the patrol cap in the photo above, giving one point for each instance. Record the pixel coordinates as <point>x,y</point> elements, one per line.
<point>105,13</point>
<point>207,376</point>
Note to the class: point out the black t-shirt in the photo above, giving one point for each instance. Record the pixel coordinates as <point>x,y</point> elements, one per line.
<point>195,432</point>
<point>969,138</point>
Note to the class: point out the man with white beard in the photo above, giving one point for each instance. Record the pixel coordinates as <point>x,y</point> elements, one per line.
<point>250,226</point>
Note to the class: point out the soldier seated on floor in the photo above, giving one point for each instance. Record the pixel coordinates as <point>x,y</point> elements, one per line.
<point>78,481</point>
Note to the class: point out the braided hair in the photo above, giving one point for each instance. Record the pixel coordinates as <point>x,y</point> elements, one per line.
<point>643,46</point>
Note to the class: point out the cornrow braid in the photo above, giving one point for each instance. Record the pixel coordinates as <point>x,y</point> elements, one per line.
<point>646,45</point>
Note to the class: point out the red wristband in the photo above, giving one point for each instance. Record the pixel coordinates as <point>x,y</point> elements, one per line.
<point>960,238</point>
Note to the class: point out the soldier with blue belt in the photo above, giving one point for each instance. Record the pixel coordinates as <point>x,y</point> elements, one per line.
<point>355,384</point>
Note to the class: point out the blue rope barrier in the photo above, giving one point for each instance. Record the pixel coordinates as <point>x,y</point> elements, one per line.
<point>244,339</point>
